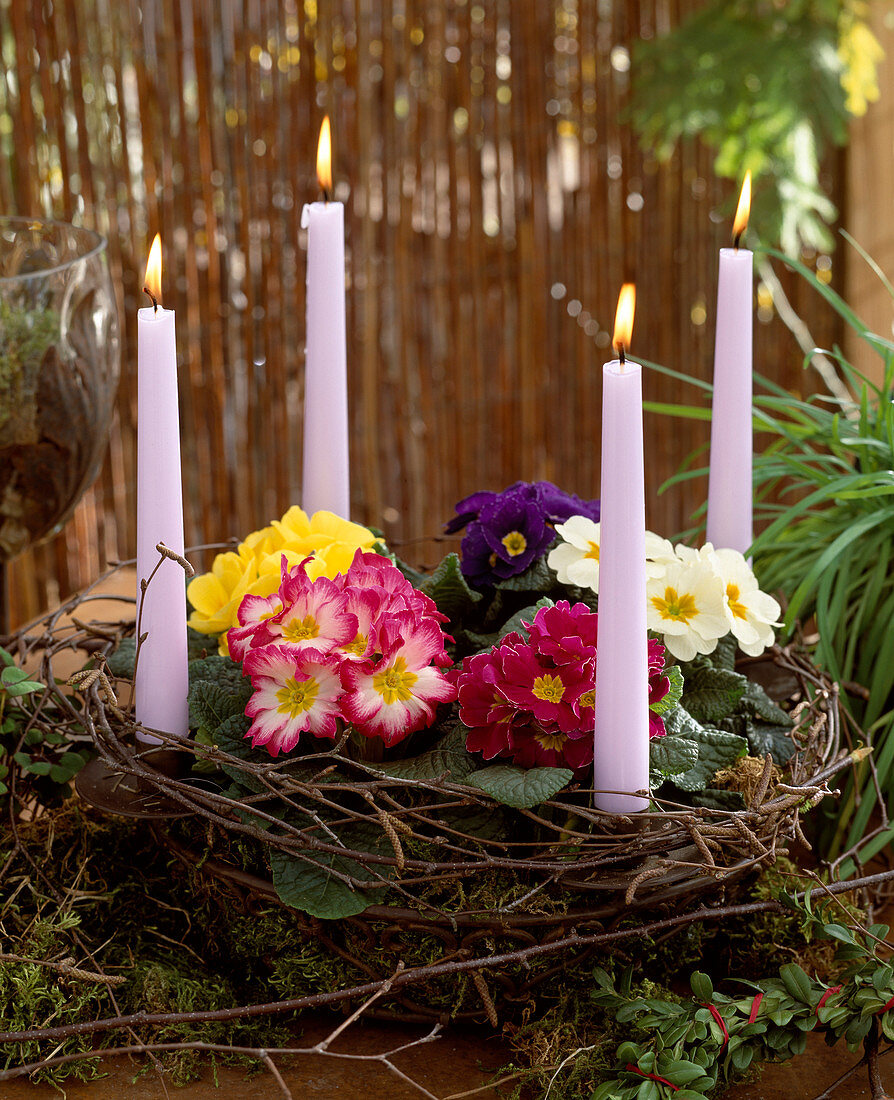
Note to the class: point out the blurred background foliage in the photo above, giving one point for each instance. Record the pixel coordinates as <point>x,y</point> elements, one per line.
<point>496,196</point>
<point>770,87</point>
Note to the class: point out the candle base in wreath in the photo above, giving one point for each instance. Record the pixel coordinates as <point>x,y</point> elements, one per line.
<point>116,791</point>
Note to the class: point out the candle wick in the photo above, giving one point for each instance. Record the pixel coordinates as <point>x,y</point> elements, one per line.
<point>326,195</point>
<point>146,290</point>
<point>621,356</point>
<point>736,239</point>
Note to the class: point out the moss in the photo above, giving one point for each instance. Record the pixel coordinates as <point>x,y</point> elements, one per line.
<point>186,941</point>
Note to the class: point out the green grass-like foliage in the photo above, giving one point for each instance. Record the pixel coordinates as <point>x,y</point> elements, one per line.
<point>824,506</point>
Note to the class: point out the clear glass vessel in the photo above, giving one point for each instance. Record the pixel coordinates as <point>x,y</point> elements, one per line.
<point>59,365</point>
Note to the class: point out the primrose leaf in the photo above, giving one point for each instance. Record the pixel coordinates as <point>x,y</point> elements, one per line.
<point>710,694</point>
<point>448,588</point>
<point>672,755</point>
<point>448,757</point>
<point>675,693</point>
<point>311,882</point>
<point>716,749</point>
<point>756,701</point>
<point>520,788</point>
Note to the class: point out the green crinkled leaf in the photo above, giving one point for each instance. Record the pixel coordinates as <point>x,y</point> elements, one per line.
<point>724,653</point>
<point>414,576</point>
<point>672,755</point>
<point>310,884</point>
<point>764,737</point>
<point>757,702</point>
<point>716,798</point>
<point>211,704</point>
<point>526,615</point>
<point>219,670</point>
<point>710,694</point>
<point>448,757</point>
<point>487,824</point>
<point>120,660</point>
<point>199,645</point>
<point>716,749</point>
<point>477,643</point>
<point>520,788</point>
<point>448,588</point>
<point>538,577</point>
<point>229,736</point>
<point>675,675</point>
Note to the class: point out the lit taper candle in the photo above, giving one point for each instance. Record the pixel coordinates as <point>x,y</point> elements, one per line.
<point>326,482</point>
<point>730,489</point>
<point>161,676</point>
<point>621,749</point>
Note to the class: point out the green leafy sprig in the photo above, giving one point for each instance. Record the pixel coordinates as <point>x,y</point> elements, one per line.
<point>684,1049</point>
<point>37,751</point>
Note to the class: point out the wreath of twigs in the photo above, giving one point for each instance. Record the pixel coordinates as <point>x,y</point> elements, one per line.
<point>581,873</point>
<point>578,871</point>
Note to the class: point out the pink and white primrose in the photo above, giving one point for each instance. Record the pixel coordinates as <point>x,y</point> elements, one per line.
<point>299,644</point>
<point>397,694</point>
<point>295,691</point>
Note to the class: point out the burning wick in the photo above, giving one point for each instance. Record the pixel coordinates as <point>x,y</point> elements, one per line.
<point>324,159</point>
<point>146,290</point>
<point>742,211</point>
<point>624,321</point>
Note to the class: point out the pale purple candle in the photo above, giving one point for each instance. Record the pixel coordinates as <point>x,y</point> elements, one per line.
<point>326,482</point>
<point>730,488</point>
<point>161,678</point>
<point>621,749</point>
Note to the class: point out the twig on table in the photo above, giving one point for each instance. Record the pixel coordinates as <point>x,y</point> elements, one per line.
<point>324,1044</point>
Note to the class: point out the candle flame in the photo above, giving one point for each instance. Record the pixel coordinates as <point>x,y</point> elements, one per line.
<point>743,209</point>
<point>153,269</point>
<point>624,318</point>
<point>324,157</point>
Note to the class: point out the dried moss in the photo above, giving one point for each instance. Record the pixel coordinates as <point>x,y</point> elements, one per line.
<point>187,942</point>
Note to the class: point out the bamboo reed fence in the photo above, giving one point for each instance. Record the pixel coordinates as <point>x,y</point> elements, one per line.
<point>495,201</point>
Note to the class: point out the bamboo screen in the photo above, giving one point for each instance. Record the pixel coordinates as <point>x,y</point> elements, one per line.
<point>495,201</point>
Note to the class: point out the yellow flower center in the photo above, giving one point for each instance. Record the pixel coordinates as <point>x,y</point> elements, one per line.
<point>680,607</point>
<point>735,604</point>
<point>593,551</point>
<point>515,543</point>
<point>395,682</point>
<point>358,646</point>
<point>299,630</point>
<point>297,696</point>
<point>588,699</point>
<point>553,741</point>
<point>548,688</point>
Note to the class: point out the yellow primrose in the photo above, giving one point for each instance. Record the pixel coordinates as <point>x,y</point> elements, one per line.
<point>255,566</point>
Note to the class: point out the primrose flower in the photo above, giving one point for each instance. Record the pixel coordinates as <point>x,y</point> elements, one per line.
<point>254,568</point>
<point>364,647</point>
<point>751,613</point>
<point>397,694</point>
<point>507,531</point>
<point>312,614</point>
<point>686,605</point>
<point>531,699</point>
<point>576,559</point>
<point>296,691</point>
